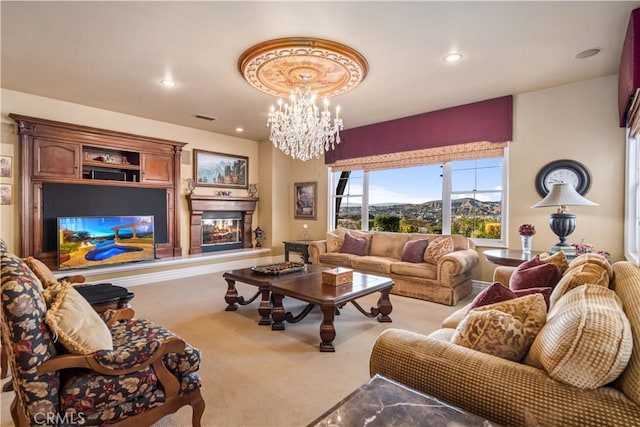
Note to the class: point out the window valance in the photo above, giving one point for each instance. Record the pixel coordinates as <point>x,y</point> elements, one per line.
<point>489,121</point>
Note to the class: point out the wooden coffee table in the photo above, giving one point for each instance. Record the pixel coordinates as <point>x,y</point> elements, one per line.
<point>263,282</point>
<point>329,298</point>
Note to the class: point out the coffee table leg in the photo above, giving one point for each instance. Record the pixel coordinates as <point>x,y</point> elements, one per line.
<point>384,306</point>
<point>231,297</point>
<point>277,314</point>
<point>265,307</point>
<point>327,331</point>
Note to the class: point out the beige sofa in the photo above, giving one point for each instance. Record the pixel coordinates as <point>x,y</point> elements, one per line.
<point>514,393</point>
<point>444,282</point>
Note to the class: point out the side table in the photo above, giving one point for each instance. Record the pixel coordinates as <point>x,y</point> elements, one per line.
<point>382,402</point>
<point>298,246</point>
<point>509,257</point>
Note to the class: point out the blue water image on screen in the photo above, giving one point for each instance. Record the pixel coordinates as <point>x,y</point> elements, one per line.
<point>88,241</point>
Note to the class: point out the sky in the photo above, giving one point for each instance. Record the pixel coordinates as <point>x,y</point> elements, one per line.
<point>424,183</point>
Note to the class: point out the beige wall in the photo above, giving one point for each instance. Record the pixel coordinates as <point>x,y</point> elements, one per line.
<point>47,108</point>
<point>577,121</point>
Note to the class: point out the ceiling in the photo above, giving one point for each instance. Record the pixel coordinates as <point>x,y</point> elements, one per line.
<point>112,55</point>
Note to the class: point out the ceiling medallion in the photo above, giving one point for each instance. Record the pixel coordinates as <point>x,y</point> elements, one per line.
<point>276,66</point>
<point>303,68</point>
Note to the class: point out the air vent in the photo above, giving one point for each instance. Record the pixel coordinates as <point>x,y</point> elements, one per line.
<point>203,117</point>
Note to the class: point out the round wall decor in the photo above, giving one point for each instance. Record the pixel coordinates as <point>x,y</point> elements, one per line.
<point>568,171</point>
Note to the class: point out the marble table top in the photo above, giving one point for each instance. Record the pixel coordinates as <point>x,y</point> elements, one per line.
<point>385,403</point>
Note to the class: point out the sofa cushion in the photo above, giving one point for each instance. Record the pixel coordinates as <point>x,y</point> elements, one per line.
<point>334,242</point>
<point>388,244</point>
<point>581,274</point>
<point>505,329</point>
<point>534,274</point>
<point>438,248</point>
<point>413,250</point>
<point>498,292</point>
<point>336,258</point>
<point>41,271</point>
<point>587,340</point>
<point>77,325</point>
<point>354,245</point>
<point>592,258</point>
<point>559,259</point>
<point>423,270</point>
<point>375,264</point>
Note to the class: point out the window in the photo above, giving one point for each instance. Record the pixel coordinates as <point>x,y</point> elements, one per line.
<point>632,201</point>
<point>459,197</point>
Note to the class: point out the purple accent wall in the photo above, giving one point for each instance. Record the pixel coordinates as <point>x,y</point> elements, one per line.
<point>490,120</point>
<point>629,77</point>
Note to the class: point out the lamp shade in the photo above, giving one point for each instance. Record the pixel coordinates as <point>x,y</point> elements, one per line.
<point>563,194</point>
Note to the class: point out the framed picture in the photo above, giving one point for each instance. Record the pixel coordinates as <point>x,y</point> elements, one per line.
<point>220,170</point>
<point>6,194</point>
<point>6,166</point>
<point>306,199</point>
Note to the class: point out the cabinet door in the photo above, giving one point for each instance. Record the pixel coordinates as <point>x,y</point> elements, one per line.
<point>55,159</point>
<point>157,169</point>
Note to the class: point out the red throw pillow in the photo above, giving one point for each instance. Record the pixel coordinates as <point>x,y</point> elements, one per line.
<point>354,245</point>
<point>534,274</point>
<point>497,292</point>
<point>413,250</point>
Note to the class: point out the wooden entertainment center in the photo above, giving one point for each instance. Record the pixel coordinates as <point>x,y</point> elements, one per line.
<point>68,169</point>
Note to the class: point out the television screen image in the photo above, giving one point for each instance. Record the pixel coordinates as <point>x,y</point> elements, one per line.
<point>90,241</point>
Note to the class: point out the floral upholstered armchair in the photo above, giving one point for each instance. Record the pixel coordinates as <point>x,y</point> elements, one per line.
<point>124,371</point>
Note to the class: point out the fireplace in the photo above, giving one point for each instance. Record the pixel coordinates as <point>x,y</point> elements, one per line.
<point>220,223</point>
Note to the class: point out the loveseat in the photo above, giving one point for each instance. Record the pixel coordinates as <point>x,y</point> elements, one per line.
<point>574,388</point>
<point>445,279</point>
<point>73,366</point>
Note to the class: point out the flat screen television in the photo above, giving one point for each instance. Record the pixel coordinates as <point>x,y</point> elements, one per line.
<point>90,241</point>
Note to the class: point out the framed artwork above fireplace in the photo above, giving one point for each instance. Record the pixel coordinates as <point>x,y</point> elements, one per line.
<point>220,170</point>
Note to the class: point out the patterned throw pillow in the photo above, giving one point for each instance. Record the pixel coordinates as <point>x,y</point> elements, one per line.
<point>78,326</point>
<point>559,259</point>
<point>497,292</point>
<point>587,340</point>
<point>334,242</point>
<point>505,329</point>
<point>353,245</point>
<point>41,271</point>
<point>582,274</point>
<point>413,250</point>
<point>534,274</point>
<point>592,258</point>
<point>438,248</point>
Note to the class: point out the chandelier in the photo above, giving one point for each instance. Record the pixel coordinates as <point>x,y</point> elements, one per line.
<point>303,68</point>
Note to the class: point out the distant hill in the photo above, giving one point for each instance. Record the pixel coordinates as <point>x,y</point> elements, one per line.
<point>431,209</point>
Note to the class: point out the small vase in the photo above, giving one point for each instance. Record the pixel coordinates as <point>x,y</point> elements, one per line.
<point>526,243</point>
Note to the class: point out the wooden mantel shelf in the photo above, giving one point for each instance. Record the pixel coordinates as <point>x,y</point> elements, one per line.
<point>200,203</point>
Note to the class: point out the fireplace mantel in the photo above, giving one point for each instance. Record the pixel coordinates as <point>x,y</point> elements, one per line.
<point>199,204</point>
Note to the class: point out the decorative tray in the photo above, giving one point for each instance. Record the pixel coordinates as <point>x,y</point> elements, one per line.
<point>279,268</point>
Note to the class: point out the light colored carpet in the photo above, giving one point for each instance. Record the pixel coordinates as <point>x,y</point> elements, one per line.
<point>253,376</point>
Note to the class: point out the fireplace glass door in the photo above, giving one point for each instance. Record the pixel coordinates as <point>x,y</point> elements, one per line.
<point>221,231</point>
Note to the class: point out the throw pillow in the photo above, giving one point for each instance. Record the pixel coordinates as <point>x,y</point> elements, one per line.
<point>413,250</point>
<point>353,245</point>
<point>438,248</point>
<point>587,340</point>
<point>334,242</point>
<point>77,325</point>
<point>505,329</point>
<point>41,271</point>
<point>592,258</point>
<point>587,273</point>
<point>559,259</point>
<point>534,274</point>
<point>497,292</point>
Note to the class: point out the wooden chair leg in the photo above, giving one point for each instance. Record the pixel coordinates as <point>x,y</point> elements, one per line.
<point>4,362</point>
<point>17,414</point>
<point>197,403</point>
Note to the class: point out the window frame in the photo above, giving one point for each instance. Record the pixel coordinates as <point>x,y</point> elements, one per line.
<point>447,194</point>
<point>632,199</point>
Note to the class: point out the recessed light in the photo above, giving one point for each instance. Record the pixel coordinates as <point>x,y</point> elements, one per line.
<point>168,83</point>
<point>453,57</point>
<point>239,130</point>
<point>588,53</point>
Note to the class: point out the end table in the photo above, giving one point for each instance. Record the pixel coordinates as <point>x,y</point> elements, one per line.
<point>298,246</point>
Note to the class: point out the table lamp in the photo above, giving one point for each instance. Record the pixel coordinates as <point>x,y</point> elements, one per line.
<point>562,222</point>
